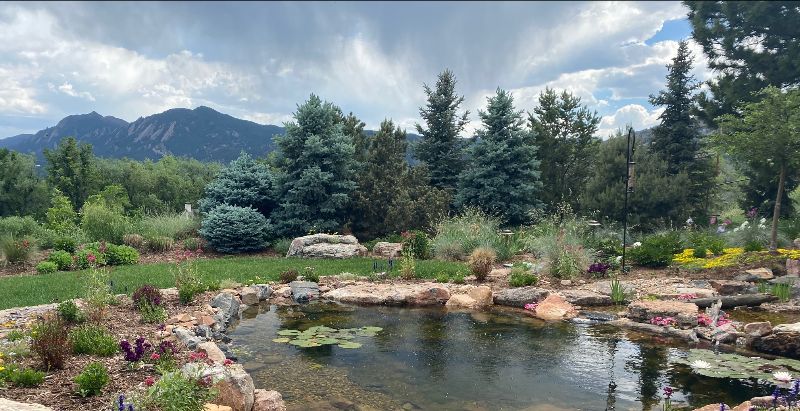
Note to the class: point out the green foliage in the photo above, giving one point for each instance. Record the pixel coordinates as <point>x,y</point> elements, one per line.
<point>782,291</point>
<point>288,276</point>
<point>559,239</point>
<point>70,312</point>
<point>481,261</point>
<point>121,255</point>
<point>22,377</point>
<point>735,366</point>
<point>564,130</point>
<point>16,335</point>
<point>704,242</point>
<point>61,216</point>
<point>16,250</point>
<point>408,265</point>
<point>97,294</point>
<point>790,227</point>
<point>46,267</point>
<point>233,229</point>
<point>457,236</point>
<point>442,278</point>
<point>72,169</point>
<point>502,177</point>
<point>187,281</point>
<point>19,226</point>
<point>281,246</point>
<point>657,250</point>
<point>193,244</point>
<point>316,159</point>
<point>176,226</point>
<point>244,183</point>
<point>136,241</point>
<point>618,293</point>
<point>418,243</point>
<point>93,340</point>
<point>101,223</point>
<point>50,342</point>
<point>522,276</point>
<point>65,243</point>
<point>310,274</point>
<point>22,191</point>
<point>92,380</point>
<point>160,244</point>
<point>153,314</point>
<point>441,148</point>
<point>113,197</point>
<point>176,392</point>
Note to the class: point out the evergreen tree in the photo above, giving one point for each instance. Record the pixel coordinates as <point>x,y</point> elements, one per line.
<point>72,169</point>
<point>316,159</point>
<point>244,183</point>
<point>354,128</point>
<point>440,148</point>
<point>750,44</point>
<point>564,134</point>
<point>503,173</point>
<point>22,192</point>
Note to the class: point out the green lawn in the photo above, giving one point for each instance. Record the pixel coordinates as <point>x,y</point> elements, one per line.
<point>26,290</point>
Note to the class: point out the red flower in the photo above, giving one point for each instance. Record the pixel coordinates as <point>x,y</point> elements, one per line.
<point>228,362</point>
<point>91,258</point>
<point>149,381</point>
<point>155,356</point>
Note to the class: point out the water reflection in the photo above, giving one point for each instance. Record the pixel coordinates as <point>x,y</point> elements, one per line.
<point>498,360</point>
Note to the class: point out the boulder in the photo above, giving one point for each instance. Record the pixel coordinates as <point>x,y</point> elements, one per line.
<point>228,306</point>
<point>268,401</point>
<point>326,246</point>
<point>421,294</point>
<point>9,405</point>
<point>586,298</point>
<point>784,340</point>
<point>728,287</point>
<point>761,273</point>
<point>264,291</point>
<point>304,291</point>
<point>387,250</point>
<point>699,292</point>
<point>604,287</point>
<point>249,295</point>
<point>758,329</point>
<point>212,351</point>
<point>215,407</point>
<point>234,385</point>
<point>476,297</point>
<point>187,337</point>
<point>786,279</point>
<point>793,267</point>
<point>554,308</point>
<point>688,335</point>
<point>518,297</point>
<point>725,333</point>
<point>643,311</point>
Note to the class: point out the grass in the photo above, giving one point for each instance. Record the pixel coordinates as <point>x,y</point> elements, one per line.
<point>27,290</point>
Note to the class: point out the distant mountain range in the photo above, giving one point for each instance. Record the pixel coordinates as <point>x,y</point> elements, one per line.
<point>201,133</point>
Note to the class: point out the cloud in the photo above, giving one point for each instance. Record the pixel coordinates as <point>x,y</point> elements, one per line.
<point>67,89</point>
<point>633,115</point>
<point>17,95</point>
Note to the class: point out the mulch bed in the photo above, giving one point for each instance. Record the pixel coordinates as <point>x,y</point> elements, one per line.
<point>124,322</point>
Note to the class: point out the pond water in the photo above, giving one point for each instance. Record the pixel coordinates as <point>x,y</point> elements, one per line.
<point>432,359</point>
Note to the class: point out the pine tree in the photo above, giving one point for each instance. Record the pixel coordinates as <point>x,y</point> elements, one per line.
<point>316,159</point>
<point>440,148</point>
<point>564,134</point>
<point>244,183</point>
<point>353,127</point>
<point>503,173</point>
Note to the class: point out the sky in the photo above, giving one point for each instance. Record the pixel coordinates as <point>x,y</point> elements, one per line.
<point>257,61</point>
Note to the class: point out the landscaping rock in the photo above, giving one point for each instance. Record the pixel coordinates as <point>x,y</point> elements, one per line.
<point>203,331</point>
<point>212,352</point>
<point>554,308</point>
<point>268,401</point>
<point>699,292</point>
<point>761,273</point>
<point>234,384</point>
<point>249,295</point>
<point>566,282</point>
<point>643,311</point>
<point>728,287</point>
<point>9,405</point>
<point>758,329</point>
<point>586,298</point>
<point>228,308</point>
<point>597,316</point>
<point>725,334</point>
<point>786,279</point>
<point>215,407</point>
<point>476,297</point>
<point>387,250</point>
<point>796,243</point>
<point>304,291</point>
<point>186,337</point>
<point>264,291</point>
<point>421,294</point>
<point>518,297</point>
<point>793,267</point>
<point>326,246</point>
<point>688,335</point>
<point>784,341</point>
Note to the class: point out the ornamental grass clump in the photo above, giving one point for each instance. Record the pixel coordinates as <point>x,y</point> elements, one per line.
<point>481,261</point>
<point>458,236</point>
<point>408,266</point>
<point>16,250</point>
<point>93,340</point>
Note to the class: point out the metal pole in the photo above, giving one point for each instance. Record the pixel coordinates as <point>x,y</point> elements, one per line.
<point>629,147</point>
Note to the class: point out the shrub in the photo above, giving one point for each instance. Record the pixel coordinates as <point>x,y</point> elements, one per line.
<point>152,314</point>
<point>133,240</point>
<point>481,261</point>
<point>103,224</point>
<point>522,276</point>
<point>464,233</point>
<point>175,226</point>
<point>703,242</point>
<point>62,260</point>
<point>46,267</point>
<point>310,274</point>
<point>193,243</point>
<point>22,377</point>
<point>288,276</point>
<point>121,255</point>
<point>281,246</point>
<point>93,340</point>
<point>147,294</point>
<point>65,243</point>
<point>657,250</point>
<point>92,380</point>
<point>442,278</point>
<point>16,250</point>
<point>231,229</point>
<point>752,246</point>
<point>50,341</point>
<point>408,267</point>
<point>70,312</point>
<point>177,392</point>
<point>19,226</point>
<point>61,217</point>
<point>160,244</point>
<point>97,295</point>
<point>418,243</point>
<point>90,255</point>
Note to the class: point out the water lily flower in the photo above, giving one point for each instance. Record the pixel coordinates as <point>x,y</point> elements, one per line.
<point>700,365</point>
<point>782,376</point>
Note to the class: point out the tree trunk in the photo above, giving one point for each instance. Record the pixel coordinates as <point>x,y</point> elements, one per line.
<point>776,212</point>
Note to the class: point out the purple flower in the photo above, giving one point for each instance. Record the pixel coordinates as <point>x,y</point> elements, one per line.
<point>775,395</point>
<point>752,213</point>
<point>121,402</point>
<point>668,392</point>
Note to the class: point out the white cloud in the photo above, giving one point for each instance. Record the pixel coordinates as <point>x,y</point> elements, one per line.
<point>67,89</point>
<point>17,94</point>
<point>267,118</point>
<point>633,115</point>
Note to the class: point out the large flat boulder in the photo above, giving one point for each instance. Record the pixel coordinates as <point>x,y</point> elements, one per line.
<point>228,306</point>
<point>518,297</point>
<point>554,308</point>
<point>387,250</point>
<point>326,246</point>
<point>729,287</point>
<point>234,385</point>
<point>391,294</point>
<point>268,401</point>
<point>683,313</point>
<point>304,291</point>
<point>476,297</point>
<point>586,298</point>
<point>784,340</point>
<point>9,405</point>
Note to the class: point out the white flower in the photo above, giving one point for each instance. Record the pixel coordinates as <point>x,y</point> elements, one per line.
<point>636,244</point>
<point>762,221</point>
<point>619,258</point>
<point>782,376</point>
<point>700,364</point>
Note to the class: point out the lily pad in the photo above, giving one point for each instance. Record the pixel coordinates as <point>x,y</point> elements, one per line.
<point>281,340</point>
<point>289,332</point>
<point>349,344</point>
<point>725,365</point>
<point>319,335</point>
<point>328,341</point>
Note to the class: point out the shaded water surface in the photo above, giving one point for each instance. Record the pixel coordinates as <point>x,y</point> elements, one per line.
<point>431,359</point>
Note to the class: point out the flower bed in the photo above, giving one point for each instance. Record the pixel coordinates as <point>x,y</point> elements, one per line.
<point>731,257</point>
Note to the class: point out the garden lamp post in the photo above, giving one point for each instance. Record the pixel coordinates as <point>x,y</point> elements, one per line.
<point>629,181</point>
<point>593,224</point>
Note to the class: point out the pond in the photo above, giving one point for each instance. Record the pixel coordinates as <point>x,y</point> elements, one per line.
<point>432,359</point>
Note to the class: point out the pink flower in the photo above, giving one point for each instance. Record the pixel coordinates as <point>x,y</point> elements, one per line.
<point>687,296</point>
<point>531,306</point>
<point>149,381</point>
<point>228,362</point>
<point>155,356</point>
<point>91,258</point>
